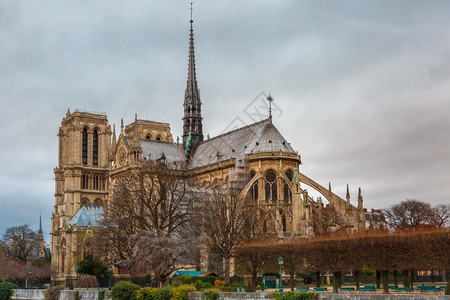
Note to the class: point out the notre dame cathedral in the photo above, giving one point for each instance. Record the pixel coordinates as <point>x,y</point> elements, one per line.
<point>91,155</point>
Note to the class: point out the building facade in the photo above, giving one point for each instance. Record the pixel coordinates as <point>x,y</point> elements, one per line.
<point>257,157</point>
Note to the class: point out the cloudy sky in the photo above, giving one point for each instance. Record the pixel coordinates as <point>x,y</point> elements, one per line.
<point>362,87</point>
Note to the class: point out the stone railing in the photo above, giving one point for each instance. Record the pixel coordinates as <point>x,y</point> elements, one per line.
<point>86,294</point>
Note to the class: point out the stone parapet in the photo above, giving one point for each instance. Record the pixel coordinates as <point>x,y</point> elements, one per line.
<point>86,294</point>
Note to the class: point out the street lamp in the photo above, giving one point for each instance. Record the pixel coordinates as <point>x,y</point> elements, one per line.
<point>109,276</point>
<point>29,278</point>
<point>280,284</point>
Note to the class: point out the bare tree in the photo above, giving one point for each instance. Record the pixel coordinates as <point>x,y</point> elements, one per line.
<point>19,242</point>
<point>325,220</point>
<point>226,220</point>
<point>413,214</point>
<point>441,215</point>
<point>151,205</point>
<point>161,254</point>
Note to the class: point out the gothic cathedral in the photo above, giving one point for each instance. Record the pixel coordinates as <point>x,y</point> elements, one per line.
<point>90,156</point>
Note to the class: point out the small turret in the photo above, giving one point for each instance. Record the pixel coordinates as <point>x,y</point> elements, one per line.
<point>348,195</point>
<point>360,200</point>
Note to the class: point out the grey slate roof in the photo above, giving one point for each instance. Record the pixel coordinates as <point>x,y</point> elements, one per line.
<point>154,150</point>
<point>254,138</point>
<point>92,213</point>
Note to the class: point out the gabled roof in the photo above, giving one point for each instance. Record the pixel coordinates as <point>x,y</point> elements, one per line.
<point>155,150</point>
<point>258,137</point>
<point>92,213</point>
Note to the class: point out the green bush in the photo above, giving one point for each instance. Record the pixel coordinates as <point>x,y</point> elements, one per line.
<point>101,294</point>
<point>146,293</point>
<point>77,295</point>
<point>447,288</point>
<point>164,293</point>
<point>53,292</point>
<point>298,296</point>
<point>181,292</point>
<point>210,295</point>
<point>6,290</point>
<point>124,290</point>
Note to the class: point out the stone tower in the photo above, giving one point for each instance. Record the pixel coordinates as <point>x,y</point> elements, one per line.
<point>81,178</point>
<point>192,120</point>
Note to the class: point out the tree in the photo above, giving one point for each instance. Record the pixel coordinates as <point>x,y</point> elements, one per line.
<point>151,204</point>
<point>92,265</point>
<point>225,219</point>
<point>161,254</point>
<point>19,242</point>
<point>413,214</point>
<point>441,215</point>
<point>326,219</point>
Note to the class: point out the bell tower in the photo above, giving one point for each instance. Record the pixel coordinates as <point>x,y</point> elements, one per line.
<point>192,120</point>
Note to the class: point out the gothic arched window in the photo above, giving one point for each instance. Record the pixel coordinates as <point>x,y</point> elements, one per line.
<point>84,146</point>
<point>95,148</point>
<point>286,190</point>
<point>254,188</point>
<point>283,220</point>
<point>271,187</point>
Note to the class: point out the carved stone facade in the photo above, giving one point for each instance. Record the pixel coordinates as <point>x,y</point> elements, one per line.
<point>90,157</point>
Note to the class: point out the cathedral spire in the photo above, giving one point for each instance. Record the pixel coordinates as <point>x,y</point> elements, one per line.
<point>192,120</point>
<point>40,232</point>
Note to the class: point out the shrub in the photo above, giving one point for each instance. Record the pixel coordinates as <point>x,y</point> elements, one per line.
<point>249,288</point>
<point>6,290</point>
<point>101,294</point>
<point>53,292</point>
<point>298,296</point>
<point>219,282</point>
<point>124,290</point>
<point>146,293</point>
<point>88,281</point>
<point>181,292</point>
<point>164,293</point>
<point>447,288</point>
<point>210,295</point>
<point>186,279</point>
<point>77,296</point>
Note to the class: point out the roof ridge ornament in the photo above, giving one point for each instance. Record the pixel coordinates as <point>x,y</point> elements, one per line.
<point>270,99</point>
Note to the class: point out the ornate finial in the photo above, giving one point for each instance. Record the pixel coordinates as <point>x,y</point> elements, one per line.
<point>270,99</point>
<point>135,116</point>
<point>121,126</point>
<point>191,11</point>
<point>178,140</point>
<point>208,136</point>
<point>348,194</point>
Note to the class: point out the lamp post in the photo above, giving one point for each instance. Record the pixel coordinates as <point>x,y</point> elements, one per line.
<point>109,276</point>
<point>280,284</point>
<point>29,279</point>
<point>262,282</point>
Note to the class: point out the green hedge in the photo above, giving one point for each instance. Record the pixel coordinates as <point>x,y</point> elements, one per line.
<point>124,290</point>
<point>6,290</point>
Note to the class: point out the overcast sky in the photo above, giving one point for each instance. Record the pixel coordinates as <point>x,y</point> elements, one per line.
<point>362,87</point>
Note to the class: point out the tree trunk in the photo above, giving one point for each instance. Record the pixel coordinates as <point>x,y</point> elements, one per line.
<point>406,278</point>
<point>162,281</point>
<point>385,274</point>
<point>357,279</point>
<point>322,278</point>
<point>226,269</point>
<point>318,279</point>
<point>396,278</point>
<point>291,277</point>
<point>336,281</point>
<point>412,275</point>
<point>254,279</point>
<point>378,279</point>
